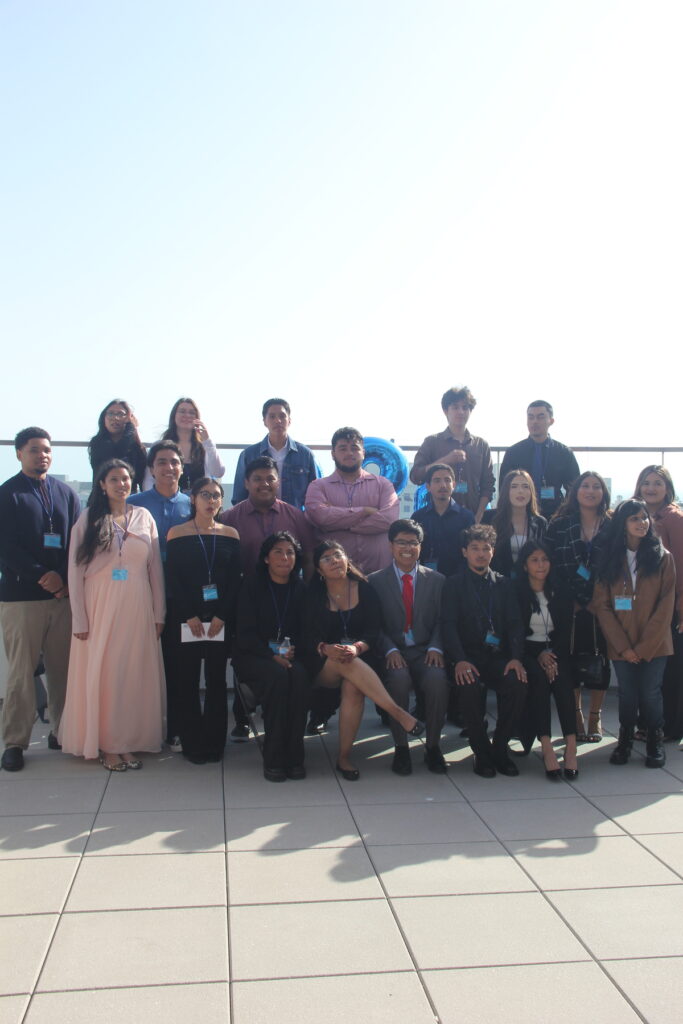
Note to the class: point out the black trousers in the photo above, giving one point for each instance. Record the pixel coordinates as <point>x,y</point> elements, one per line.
<point>510,694</point>
<point>283,696</point>
<point>202,731</point>
<point>540,691</point>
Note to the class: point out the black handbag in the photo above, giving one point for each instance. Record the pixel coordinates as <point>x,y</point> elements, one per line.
<point>588,665</point>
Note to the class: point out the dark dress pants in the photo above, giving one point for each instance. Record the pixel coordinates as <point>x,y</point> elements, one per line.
<point>430,682</point>
<point>283,696</point>
<point>203,732</point>
<point>540,690</point>
<point>510,694</point>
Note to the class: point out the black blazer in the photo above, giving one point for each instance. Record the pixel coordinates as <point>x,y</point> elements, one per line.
<point>561,608</point>
<point>502,556</point>
<point>464,620</point>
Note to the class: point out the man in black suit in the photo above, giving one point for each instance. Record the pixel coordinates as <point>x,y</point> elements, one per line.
<point>482,632</point>
<point>552,466</point>
<point>410,596</point>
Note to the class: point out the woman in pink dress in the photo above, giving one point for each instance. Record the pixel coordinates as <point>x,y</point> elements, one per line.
<point>115,691</point>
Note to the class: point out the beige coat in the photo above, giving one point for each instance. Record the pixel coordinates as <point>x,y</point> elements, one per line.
<point>646,628</point>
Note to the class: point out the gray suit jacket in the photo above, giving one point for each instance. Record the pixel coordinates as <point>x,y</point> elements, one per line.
<point>426,608</point>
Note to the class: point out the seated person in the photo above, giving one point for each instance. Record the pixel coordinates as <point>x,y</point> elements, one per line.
<point>410,642</point>
<point>482,633</point>
<point>443,521</point>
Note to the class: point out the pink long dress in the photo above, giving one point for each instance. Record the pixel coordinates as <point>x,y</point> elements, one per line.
<point>116,696</point>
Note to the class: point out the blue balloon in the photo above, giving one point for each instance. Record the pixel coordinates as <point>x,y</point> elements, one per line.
<point>421,497</point>
<point>389,459</point>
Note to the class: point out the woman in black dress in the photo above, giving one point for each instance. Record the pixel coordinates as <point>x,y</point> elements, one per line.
<point>343,621</point>
<point>117,438</point>
<point>203,577</point>
<point>267,644</point>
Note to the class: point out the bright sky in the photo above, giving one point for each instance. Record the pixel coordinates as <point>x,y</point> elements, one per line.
<point>351,204</point>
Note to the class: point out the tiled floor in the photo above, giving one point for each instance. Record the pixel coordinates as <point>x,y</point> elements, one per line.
<point>209,895</point>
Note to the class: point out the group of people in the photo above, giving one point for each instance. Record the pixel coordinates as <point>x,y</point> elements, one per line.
<point>322,596</point>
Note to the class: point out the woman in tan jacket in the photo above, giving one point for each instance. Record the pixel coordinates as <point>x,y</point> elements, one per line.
<point>634,601</point>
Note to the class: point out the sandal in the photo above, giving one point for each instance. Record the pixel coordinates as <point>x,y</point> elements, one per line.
<point>134,763</point>
<point>595,734</point>
<point>581,736</point>
<point>117,766</point>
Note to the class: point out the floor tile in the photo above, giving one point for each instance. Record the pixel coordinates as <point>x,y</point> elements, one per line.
<point>601,862</point>
<point>158,832</point>
<point>29,936</point>
<point>291,939</point>
<point>530,784</point>
<point>254,791</point>
<point>289,828</point>
<point>668,848</point>
<point>370,998</point>
<point>159,791</point>
<point>299,876</point>
<point>529,994</point>
<point>629,779</point>
<point>49,835</point>
<point>396,824</point>
<point>34,885</point>
<point>50,795</point>
<point>448,868</point>
<point>471,931</point>
<point>640,815</point>
<point>638,922</point>
<point>191,1004</point>
<point>12,1009</point>
<point>654,986</point>
<point>137,947</point>
<point>545,819</point>
<point>674,761</point>
<point>387,788</point>
<point>139,881</point>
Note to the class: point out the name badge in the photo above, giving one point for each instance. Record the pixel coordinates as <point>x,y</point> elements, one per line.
<point>408,638</point>
<point>119,574</point>
<point>210,592</point>
<point>461,487</point>
<point>274,646</point>
<point>584,572</point>
<point>548,492</point>
<point>430,565</point>
<point>513,574</point>
<point>623,604</point>
<point>492,640</point>
<point>52,540</point>
<point>347,640</point>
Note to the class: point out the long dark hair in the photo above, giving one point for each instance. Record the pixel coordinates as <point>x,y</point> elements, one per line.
<point>502,521</point>
<point>650,551</point>
<point>570,505</point>
<point>99,531</point>
<point>523,584</point>
<point>283,536</point>
<point>317,584</point>
<point>171,432</point>
<point>102,445</point>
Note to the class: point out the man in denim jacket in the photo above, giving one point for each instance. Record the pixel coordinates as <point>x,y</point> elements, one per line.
<point>295,462</point>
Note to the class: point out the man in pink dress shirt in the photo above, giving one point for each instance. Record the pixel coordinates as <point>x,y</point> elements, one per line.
<point>354,507</point>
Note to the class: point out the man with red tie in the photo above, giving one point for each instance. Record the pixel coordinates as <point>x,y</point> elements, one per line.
<point>410,642</point>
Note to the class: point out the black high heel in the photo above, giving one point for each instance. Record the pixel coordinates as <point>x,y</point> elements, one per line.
<point>571,773</point>
<point>417,729</point>
<point>350,774</point>
<point>554,774</point>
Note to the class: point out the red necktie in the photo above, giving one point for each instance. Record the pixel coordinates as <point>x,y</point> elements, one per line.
<point>408,599</point>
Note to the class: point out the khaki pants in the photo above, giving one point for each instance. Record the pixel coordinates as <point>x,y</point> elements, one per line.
<point>28,628</point>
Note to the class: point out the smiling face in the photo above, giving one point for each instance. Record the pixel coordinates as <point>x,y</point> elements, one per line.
<point>262,487</point>
<point>333,565</point>
<point>186,416</point>
<point>637,527</point>
<point>116,485</point>
<point>520,492</point>
<point>590,494</point>
<point>348,456</point>
<point>537,567</point>
<point>208,501</point>
<point>166,469</point>
<point>478,555</point>
<point>457,414</point>
<point>405,547</point>
<point>653,490</point>
<point>281,560</point>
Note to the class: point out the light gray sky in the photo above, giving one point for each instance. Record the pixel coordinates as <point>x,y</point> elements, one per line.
<point>352,204</point>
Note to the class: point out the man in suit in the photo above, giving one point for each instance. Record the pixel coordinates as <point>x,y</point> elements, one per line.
<point>410,643</point>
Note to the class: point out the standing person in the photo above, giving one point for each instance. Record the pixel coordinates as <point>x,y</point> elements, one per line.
<point>117,438</point>
<point>575,534</point>
<point>516,521</point>
<point>268,648</point>
<point>295,462</point>
<point>203,577</point>
<point>481,628</point>
<point>37,513</point>
<point>188,430</point>
<point>115,695</point>
<point>551,465</point>
<point>656,488</point>
<point>547,613</point>
<point>442,521</point>
<point>169,507</point>
<point>469,455</point>
<point>634,601</point>
<point>353,507</point>
<point>410,642</point>
<point>343,621</point>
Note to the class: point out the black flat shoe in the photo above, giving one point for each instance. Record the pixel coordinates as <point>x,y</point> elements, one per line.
<point>274,775</point>
<point>483,768</point>
<point>554,774</point>
<point>194,758</point>
<point>571,773</point>
<point>504,766</point>
<point>350,774</point>
<point>401,763</point>
<point>53,743</point>
<point>296,772</point>
<point>435,761</point>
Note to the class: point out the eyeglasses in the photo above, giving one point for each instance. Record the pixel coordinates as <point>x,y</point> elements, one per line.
<point>334,557</point>
<point>210,496</point>
<point>407,543</point>
<point>117,415</point>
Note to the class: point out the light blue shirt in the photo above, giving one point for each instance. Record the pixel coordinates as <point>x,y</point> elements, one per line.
<point>166,512</point>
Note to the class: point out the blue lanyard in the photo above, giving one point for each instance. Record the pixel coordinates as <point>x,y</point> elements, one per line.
<point>281,619</point>
<point>48,509</point>
<point>349,492</point>
<point>209,564</point>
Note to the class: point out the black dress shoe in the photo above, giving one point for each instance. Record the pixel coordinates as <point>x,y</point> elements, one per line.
<point>402,765</point>
<point>435,761</point>
<point>350,774</point>
<point>296,772</point>
<point>52,742</point>
<point>571,773</point>
<point>483,768</point>
<point>506,767</point>
<point>554,774</point>
<point>13,759</point>
<point>194,758</point>
<point>274,775</point>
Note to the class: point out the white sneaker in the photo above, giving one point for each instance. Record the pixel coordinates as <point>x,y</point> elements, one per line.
<point>175,745</point>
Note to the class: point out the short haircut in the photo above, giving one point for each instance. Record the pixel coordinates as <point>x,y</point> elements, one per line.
<point>275,401</point>
<point>405,526</point>
<point>262,462</point>
<point>28,433</point>
<point>458,394</point>
<point>480,531</point>
<point>541,401</point>
<point>347,434</point>
<point>438,467</point>
<point>160,446</point>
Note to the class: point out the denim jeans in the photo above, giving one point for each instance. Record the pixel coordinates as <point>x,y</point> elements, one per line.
<point>640,687</point>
